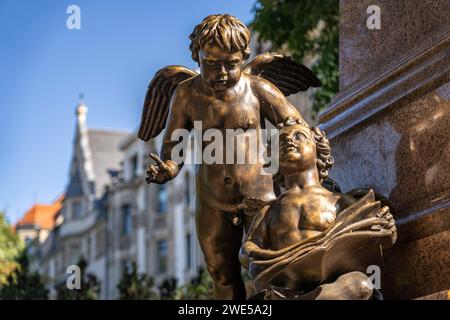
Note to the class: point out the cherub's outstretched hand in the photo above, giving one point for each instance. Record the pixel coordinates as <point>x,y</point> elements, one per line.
<point>390,222</point>
<point>161,172</point>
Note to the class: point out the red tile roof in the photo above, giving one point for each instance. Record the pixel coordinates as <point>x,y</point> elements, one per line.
<point>41,215</point>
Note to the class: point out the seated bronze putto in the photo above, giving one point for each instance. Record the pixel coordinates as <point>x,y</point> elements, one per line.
<point>312,243</point>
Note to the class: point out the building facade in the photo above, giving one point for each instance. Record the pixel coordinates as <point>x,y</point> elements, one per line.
<point>112,218</point>
<point>152,225</point>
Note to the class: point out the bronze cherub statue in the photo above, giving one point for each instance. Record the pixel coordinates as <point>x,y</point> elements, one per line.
<point>225,95</point>
<point>312,243</point>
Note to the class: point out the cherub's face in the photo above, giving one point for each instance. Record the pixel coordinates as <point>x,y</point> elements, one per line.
<point>297,149</point>
<point>219,68</point>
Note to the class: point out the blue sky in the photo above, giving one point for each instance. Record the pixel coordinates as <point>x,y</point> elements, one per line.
<point>44,66</point>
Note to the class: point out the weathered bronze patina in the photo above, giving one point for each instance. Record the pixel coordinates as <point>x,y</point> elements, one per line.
<point>225,95</point>
<point>286,238</point>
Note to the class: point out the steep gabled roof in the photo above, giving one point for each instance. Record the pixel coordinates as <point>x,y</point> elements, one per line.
<point>105,155</point>
<point>96,152</point>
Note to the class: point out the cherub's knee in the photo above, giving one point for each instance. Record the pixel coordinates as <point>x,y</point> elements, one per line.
<point>213,272</point>
<point>226,284</point>
<point>223,275</point>
<point>356,285</point>
<point>350,286</point>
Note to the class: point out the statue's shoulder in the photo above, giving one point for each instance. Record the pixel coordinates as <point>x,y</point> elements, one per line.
<point>257,83</point>
<point>189,86</point>
<point>187,93</point>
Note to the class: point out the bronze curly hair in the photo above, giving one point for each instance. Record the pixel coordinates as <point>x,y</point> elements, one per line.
<point>223,30</point>
<point>324,159</point>
<point>323,151</point>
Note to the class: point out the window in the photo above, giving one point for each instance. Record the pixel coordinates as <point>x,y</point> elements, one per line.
<point>126,219</point>
<point>100,243</point>
<point>59,264</point>
<point>28,240</point>
<point>188,251</point>
<point>187,185</point>
<point>126,266</point>
<point>77,209</point>
<point>89,248</point>
<point>162,256</point>
<point>162,199</point>
<point>134,166</point>
<point>75,253</point>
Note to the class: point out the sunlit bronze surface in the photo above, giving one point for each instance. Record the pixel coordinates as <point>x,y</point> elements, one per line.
<point>225,95</point>
<point>310,236</point>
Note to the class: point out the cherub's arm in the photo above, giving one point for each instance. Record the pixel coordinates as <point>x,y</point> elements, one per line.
<point>257,237</point>
<point>167,169</point>
<point>178,119</point>
<point>261,234</point>
<point>274,105</point>
<point>256,243</point>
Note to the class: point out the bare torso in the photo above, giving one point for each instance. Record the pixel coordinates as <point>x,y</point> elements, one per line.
<point>238,108</point>
<point>300,214</point>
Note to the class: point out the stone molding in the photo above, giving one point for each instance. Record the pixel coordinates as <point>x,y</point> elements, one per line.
<point>425,67</point>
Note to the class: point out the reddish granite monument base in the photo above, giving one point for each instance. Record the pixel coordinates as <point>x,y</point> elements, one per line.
<point>389,128</point>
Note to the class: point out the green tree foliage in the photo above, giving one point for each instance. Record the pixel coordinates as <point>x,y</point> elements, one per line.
<point>10,248</point>
<point>306,28</point>
<point>23,285</point>
<point>168,289</point>
<point>89,286</point>
<point>199,288</point>
<point>134,286</point>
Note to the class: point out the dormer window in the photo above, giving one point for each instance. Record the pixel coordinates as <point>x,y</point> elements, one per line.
<point>77,209</point>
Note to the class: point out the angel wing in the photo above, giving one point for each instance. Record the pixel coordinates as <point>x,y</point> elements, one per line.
<point>289,76</point>
<point>157,99</point>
